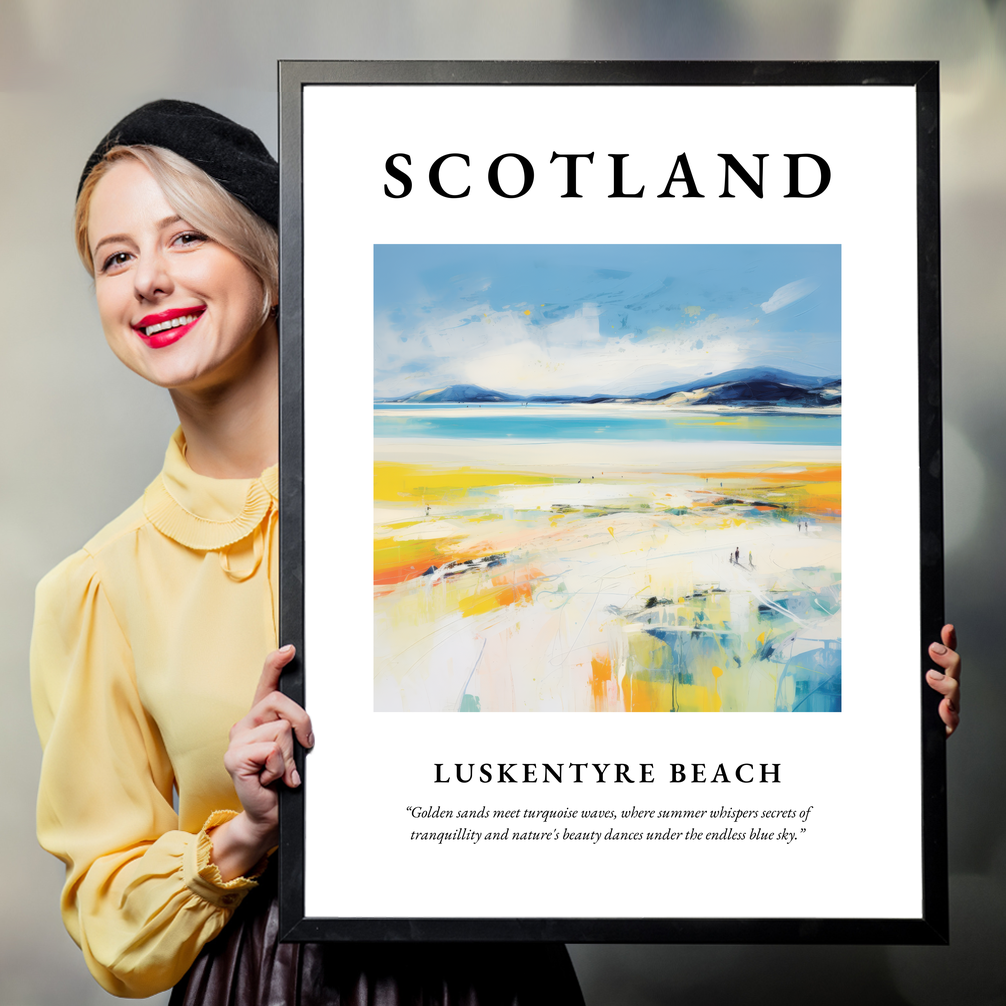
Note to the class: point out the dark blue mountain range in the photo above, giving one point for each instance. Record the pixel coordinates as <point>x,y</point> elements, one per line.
<point>747,388</point>
<point>746,376</point>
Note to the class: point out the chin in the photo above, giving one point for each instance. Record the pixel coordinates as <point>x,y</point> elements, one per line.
<point>170,374</point>
<point>191,364</point>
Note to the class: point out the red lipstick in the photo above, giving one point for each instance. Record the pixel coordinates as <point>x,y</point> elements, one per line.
<point>166,327</point>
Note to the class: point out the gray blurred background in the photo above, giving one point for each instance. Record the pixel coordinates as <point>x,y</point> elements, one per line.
<point>82,436</point>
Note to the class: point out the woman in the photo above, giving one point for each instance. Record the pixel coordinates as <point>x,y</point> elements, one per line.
<point>148,643</point>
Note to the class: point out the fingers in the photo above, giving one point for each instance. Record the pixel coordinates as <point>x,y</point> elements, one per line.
<point>271,671</point>
<point>277,706</point>
<point>949,636</point>
<point>944,655</point>
<point>262,760</point>
<point>947,681</point>
<point>265,751</point>
<point>944,684</point>
<point>951,718</point>
<point>949,687</point>
<point>270,703</point>
<point>261,749</point>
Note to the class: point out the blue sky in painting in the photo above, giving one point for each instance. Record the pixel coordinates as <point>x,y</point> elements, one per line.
<point>613,319</point>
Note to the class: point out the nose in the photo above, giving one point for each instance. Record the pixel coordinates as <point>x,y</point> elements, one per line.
<point>152,277</point>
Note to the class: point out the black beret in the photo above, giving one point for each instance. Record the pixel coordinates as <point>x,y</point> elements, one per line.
<point>231,154</point>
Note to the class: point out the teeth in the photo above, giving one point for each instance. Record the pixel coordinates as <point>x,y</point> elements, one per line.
<point>174,323</point>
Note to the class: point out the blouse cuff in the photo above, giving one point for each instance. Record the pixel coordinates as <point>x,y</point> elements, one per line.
<point>202,876</point>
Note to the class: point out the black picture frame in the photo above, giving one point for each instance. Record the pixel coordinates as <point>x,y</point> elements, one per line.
<point>932,925</point>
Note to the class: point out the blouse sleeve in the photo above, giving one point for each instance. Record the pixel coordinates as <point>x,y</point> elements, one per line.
<point>141,898</point>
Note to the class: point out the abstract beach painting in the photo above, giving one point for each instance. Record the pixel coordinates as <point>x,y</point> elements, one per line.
<point>607,478</point>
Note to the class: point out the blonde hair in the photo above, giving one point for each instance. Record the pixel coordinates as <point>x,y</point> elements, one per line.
<point>199,200</point>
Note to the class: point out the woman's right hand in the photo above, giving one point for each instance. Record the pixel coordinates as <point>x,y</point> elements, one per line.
<point>260,753</point>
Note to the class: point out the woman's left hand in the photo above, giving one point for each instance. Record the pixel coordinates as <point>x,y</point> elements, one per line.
<point>948,681</point>
<point>260,754</point>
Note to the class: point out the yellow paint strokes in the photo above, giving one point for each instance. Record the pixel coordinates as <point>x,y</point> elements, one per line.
<point>692,310</point>
<point>646,696</point>
<point>761,638</point>
<point>717,702</point>
<point>824,496</point>
<point>527,312</point>
<point>611,531</point>
<point>394,481</point>
<point>499,597</point>
<point>514,588</point>
<point>640,696</point>
<point>693,699</point>
<point>402,525</point>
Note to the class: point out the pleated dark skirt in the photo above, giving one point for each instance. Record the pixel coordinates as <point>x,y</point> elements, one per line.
<point>247,966</point>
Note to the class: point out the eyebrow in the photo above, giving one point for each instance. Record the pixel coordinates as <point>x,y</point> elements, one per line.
<point>160,225</point>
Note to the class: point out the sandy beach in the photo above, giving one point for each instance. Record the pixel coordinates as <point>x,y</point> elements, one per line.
<point>606,576</point>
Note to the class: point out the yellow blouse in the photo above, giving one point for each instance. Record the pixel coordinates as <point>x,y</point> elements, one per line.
<point>147,647</point>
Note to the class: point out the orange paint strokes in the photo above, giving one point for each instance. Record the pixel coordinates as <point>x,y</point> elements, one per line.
<point>816,489</point>
<point>507,589</point>
<point>712,501</point>
<point>600,666</point>
<point>500,597</point>
<point>397,561</point>
<point>812,473</point>
<point>521,575</point>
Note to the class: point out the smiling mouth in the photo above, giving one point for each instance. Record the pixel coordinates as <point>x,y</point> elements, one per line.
<point>165,324</point>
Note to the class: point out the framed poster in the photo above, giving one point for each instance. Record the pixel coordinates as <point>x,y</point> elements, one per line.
<point>611,391</point>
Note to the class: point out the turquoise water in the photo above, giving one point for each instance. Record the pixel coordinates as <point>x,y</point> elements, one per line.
<point>563,422</point>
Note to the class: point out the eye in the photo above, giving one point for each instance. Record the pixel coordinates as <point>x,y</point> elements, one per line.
<point>189,239</point>
<point>115,261</point>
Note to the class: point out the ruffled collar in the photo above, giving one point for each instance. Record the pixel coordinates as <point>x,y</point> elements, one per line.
<point>203,513</point>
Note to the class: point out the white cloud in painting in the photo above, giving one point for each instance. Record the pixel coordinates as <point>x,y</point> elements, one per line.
<point>506,351</point>
<point>593,363</point>
<point>787,294</point>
